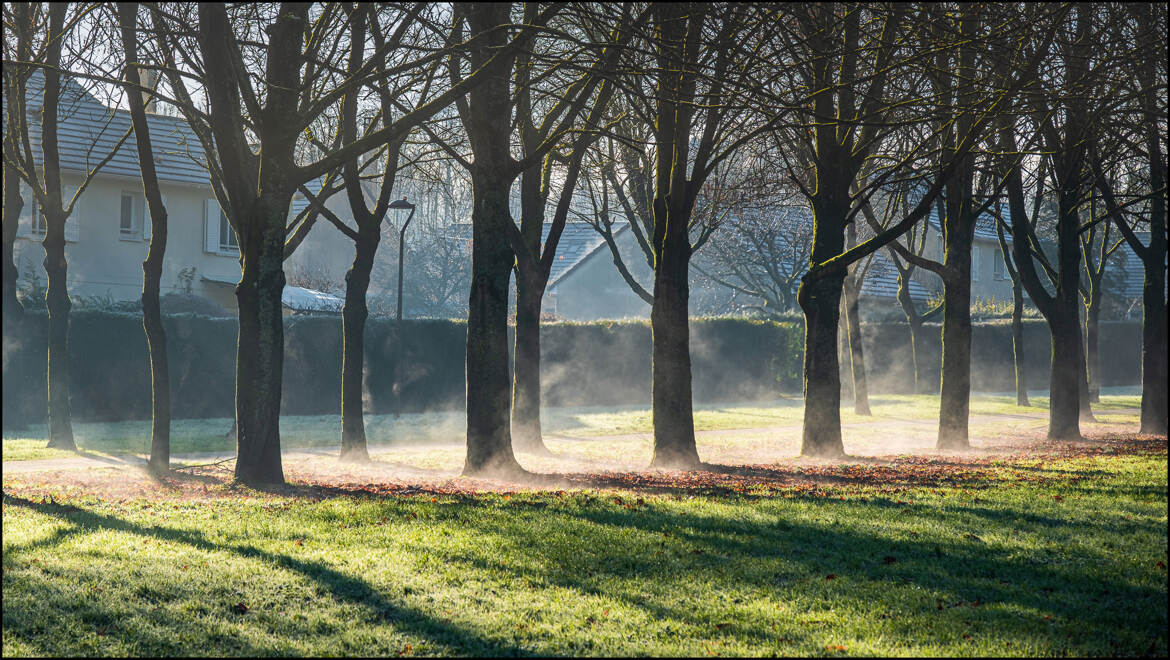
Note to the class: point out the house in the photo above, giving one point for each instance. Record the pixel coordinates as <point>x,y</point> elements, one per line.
<point>108,233</point>
<point>585,284</point>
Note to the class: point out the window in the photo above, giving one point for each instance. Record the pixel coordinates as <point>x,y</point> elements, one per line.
<point>227,237</point>
<point>130,227</point>
<point>218,237</point>
<point>38,218</point>
<point>999,268</point>
<point>32,223</point>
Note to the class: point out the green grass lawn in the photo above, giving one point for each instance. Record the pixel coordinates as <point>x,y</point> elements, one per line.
<point>207,435</point>
<point>1049,556</point>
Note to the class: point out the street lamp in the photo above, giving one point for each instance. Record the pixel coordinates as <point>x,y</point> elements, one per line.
<point>401,204</point>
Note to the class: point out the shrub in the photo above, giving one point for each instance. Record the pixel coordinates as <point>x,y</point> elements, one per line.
<point>418,365</point>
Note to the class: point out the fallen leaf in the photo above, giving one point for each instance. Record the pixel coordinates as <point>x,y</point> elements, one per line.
<point>831,576</point>
<point>1058,498</point>
<point>834,647</point>
<point>240,608</point>
<point>888,559</point>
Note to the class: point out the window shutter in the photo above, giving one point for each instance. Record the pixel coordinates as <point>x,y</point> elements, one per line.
<point>73,222</point>
<point>975,263</point>
<point>210,226</point>
<point>24,223</point>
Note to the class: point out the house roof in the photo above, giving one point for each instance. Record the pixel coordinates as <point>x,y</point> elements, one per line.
<point>881,281</point>
<point>578,241</point>
<point>984,224</point>
<point>88,131</point>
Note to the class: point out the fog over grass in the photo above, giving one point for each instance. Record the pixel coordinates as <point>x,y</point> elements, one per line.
<point>431,445</point>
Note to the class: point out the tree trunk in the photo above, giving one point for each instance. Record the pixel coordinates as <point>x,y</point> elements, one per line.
<point>1066,375</point>
<point>1092,357</point>
<point>489,438</point>
<point>156,341</point>
<point>1154,370</point>
<point>1084,409</point>
<point>1018,342</point>
<point>674,423</point>
<point>920,383</point>
<point>955,392</point>
<point>58,304</point>
<point>152,266</point>
<point>852,293</point>
<point>260,350</point>
<point>820,299</point>
<point>13,311</point>
<point>353,331</point>
<point>526,431</point>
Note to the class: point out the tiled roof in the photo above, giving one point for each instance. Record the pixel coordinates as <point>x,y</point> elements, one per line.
<point>578,241</point>
<point>984,224</point>
<point>88,130</point>
<point>1130,270</point>
<point>881,281</point>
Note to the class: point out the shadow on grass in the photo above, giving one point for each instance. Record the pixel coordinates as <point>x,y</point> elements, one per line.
<point>787,560</point>
<point>342,587</point>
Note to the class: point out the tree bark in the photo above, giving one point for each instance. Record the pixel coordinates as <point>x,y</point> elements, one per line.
<point>353,330</point>
<point>1092,354</point>
<point>1154,370</point>
<point>1066,375</point>
<point>1018,342</point>
<point>955,391</point>
<point>852,291</point>
<point>526,431</point>
<point>820,300</point>
<point>58,304</point>
<point>489,438</point>
<point>674,428</point>
<point>260,349</point>
<point>13,311</point>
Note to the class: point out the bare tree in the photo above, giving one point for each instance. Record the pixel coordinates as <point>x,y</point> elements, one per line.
<point>41,33</point>
<point>269,72</point>
<point>156,338</point>
<point>1144,28</point>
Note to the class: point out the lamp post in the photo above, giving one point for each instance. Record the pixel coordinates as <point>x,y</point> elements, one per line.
<point>402,204</point>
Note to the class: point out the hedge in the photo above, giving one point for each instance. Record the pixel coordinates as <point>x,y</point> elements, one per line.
<point>599,363</point>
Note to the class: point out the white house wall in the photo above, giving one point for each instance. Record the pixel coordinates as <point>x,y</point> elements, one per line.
<point>104,264</point>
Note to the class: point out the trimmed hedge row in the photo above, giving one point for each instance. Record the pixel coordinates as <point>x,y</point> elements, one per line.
<point>601,363</point>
